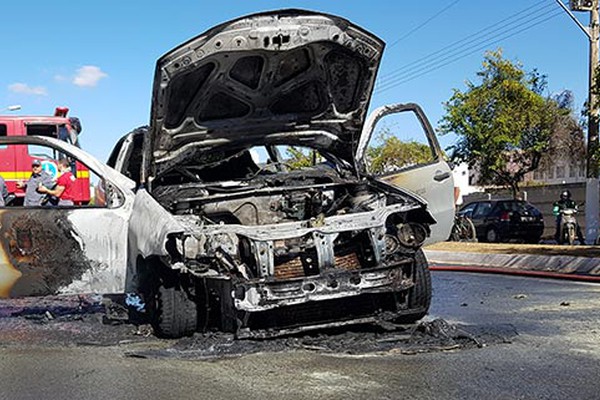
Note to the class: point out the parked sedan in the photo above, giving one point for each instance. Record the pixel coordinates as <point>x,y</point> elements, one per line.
<point>503,220</point>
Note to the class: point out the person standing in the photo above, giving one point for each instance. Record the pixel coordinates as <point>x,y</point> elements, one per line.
<point>33,197</point>
<point>64,185</point>
<point>3,192</point>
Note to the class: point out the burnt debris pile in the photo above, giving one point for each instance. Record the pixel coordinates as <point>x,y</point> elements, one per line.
<point>427,336</point>
<point>97,321</point>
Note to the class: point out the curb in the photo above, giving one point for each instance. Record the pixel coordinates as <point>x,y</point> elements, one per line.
<point>556,267</point>
<point>518,272</point>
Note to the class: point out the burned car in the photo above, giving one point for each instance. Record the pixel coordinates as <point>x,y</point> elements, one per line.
<point>260,199</point>
<point>256,213</point>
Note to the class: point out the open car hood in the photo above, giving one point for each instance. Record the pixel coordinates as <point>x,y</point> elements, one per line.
<point>283,77</point>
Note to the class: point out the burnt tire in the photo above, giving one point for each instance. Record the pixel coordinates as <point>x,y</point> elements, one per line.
<point>419,296</point>
<point>175,312</point>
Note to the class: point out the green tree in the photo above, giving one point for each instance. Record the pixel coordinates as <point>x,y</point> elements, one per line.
<point>594,150</point>
<point>393,153</point>
<point>298,158</point>
<point>567,141</point>
<point>503,124</point>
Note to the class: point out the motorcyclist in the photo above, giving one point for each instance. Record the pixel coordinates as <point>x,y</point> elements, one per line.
<point>565,203</point>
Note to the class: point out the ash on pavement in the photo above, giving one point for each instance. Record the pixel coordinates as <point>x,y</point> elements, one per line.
<point>84,321</point>
<point>427,336</point>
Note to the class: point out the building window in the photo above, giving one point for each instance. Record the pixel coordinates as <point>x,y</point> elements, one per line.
<point>573,171</point>
<point>560,171</point>
<point>2,130</point>
<point>538,175</point>
<point>551,173</point>
<point>582,170</point>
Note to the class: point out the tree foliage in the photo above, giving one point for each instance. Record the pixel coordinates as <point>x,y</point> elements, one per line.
<point>298,158</point>
<point>567,141</point>
<point>393,153</point>
<point>594,118</point>
<point>504,123</point>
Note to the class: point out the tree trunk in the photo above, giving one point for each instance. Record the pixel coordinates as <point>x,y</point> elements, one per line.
<point>514,188</point>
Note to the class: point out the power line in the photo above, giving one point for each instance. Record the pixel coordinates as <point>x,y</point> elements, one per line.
<point>418,72</point>
<point>467,51</point>
<point>425,71</point>
<point>465,41</point>
<point>423,24</point>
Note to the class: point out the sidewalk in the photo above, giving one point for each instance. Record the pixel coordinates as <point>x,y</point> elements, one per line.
<point>563,262</point>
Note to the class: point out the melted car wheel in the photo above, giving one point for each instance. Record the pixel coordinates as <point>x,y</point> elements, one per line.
<point>175,313</point>
<point>419,297</point>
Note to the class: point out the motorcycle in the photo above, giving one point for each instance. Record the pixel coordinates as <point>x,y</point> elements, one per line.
<point>568,226</point>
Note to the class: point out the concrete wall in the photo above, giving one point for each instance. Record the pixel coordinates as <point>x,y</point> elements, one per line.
<point>542,197</point>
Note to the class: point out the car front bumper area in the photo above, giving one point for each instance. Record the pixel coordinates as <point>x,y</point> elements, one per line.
<point>262,296</point>
<point>333,299</point>
<point>366,276</point>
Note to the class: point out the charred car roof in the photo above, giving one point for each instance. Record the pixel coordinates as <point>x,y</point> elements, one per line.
<point>288,76</point>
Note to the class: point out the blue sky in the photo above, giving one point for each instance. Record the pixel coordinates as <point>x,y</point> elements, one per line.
<point>98,57</point>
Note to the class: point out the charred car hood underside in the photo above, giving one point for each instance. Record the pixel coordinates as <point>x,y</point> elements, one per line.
<point>285,77</point>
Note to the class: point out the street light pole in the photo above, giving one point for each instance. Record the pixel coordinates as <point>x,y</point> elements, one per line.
<point>592,187</point>
<point>592,201</point>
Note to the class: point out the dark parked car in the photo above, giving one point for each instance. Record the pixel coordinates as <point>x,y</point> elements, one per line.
<point>503,220</point>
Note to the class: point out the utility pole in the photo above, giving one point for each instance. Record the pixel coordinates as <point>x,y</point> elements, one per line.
<point>592,201</point>
<point>592,187</point>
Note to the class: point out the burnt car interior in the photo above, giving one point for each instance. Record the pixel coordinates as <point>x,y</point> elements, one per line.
<point>230,188</point>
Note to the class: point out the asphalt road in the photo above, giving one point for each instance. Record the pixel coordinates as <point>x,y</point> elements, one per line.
<point>552,353</point>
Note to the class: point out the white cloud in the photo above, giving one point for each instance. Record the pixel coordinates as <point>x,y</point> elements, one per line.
<point>88,76</point>
<point>24,88</point>
<point>60,78</point>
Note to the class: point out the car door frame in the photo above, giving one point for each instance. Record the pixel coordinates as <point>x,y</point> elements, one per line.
<point>126,147</point>
<point>88,243</point>
<point>438,192</point>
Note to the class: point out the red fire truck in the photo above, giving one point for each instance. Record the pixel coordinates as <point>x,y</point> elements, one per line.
<point>15,160</point>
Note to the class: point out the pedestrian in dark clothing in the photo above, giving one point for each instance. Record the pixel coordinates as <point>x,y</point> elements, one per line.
<point>38,176</point>
<point>565,203</point>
